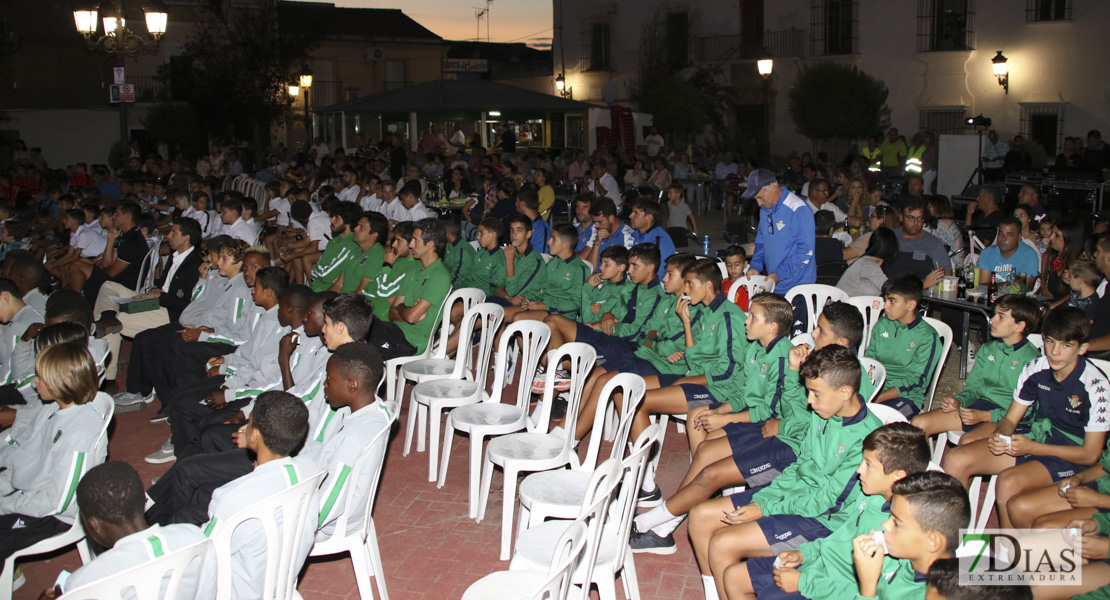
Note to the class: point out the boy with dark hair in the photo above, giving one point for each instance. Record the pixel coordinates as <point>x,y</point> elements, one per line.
<point>1066,430</point>
<point>364,265</point>
<point>646,220</point>
<point>823,568</point>
<point>528,205</point>
<point>827,249</point>
<point>736,264</point>
<point>944,584</point>
<point>460,254</point>
<point>607,289</point>
<point>524,273</point>
<point>906,345</point>
<point>805,502</point>
<point>111,500</point>
<point>561,282</point>
<point>608,230</point>
<point>232,216</point>
<point>990,385</point>
<point>927,512</point>
<point>489,260</point>
<point>342,247</point>
<point>276,428</point>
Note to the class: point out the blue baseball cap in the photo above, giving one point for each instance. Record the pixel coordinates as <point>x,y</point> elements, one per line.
<point>756,180</point>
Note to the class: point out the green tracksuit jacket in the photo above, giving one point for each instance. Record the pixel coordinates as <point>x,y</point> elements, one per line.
<point>898,581</point>
<point>762,380</point>
<point>720,345</point>
<point>612,295</point>
<point>671,336</point>
<point>361,265</point>
<point>823,480</point>
<point>562,284</point>
<point>528,276</point>
<point>338,251</point>
<point>388,285</point>
<point>795,414</point>
<point>995,375</point>
<point>910,354</point>
<point>643,301</point>
<point>459,261</point>
<point>827,568</point>
<point>488,266</point>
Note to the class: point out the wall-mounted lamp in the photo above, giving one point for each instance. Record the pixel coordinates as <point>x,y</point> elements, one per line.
<point>561,87</point>
<point>1001,71</point>
<point>765,63</point>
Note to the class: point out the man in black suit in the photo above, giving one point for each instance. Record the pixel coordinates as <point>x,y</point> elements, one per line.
<point>174,291</point>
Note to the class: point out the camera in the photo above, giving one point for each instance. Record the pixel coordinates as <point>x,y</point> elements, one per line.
<point>979,121</point>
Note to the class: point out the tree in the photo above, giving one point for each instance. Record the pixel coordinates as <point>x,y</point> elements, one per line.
<point>234,69</point>
<point>831,101</point>
<point>177,125</point>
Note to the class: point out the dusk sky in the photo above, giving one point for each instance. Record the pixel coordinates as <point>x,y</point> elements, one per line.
<point>527,21</point>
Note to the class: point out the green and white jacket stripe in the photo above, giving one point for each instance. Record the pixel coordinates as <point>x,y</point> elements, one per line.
<point>139,548</point>
<point>253,367</point>
<point>10,334</point>
<point>231,313</point>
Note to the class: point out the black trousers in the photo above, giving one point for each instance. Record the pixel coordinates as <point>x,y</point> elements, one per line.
<point>148,356</point>
<point>213,439</point>
<point>390,341</point>
<point>19,531</point>
<point>189,415</point>
<point>183,494</point>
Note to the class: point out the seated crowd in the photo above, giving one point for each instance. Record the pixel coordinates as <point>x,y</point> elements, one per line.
<point>262,329</point>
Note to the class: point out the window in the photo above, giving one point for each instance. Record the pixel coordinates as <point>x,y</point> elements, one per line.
<point>1043,123</point>
<point>1047,10</point>
<point>599,51</point>
<point>944,25</point>
<point>833,27</point>
<point>395,74</point>
<point>943,120</point>
<point>678,39</point>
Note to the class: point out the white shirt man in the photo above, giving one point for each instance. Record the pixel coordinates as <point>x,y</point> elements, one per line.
<point>90,239</point>
<point>609,187</point>
<point>242,230</point>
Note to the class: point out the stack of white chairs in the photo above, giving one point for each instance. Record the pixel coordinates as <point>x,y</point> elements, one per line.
<point>491,417</point>
<point>536,449</point>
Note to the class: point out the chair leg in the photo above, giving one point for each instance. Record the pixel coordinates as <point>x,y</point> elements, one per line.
<point>523,521</point>
<point>606,585</point>
<point>988,504</point>
<point>629,579</point>
<point>445,456</point>
<point>376,561</point>
<point>422,426</point>
<point>477,478</point>
<point>410,426</point>
<point>973,489</point>
<point>6,579</point>
<point>360,562</point>
<point>487,481</point>
<point>508,505</point>
<point>435,414</point>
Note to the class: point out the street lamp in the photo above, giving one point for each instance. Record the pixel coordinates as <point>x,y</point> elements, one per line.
<point>294,90</point>
<point>1001,71</point>
<point>561,87</point>
<point>305,79</point>
<point>117,39</point>
<point>765,64</point>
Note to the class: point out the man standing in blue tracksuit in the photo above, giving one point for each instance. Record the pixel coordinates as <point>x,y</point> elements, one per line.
<point>784,239</point>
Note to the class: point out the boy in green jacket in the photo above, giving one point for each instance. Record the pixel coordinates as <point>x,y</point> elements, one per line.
<point>562,280</point>
<point>944,584</point>
<point>396,264</point>
<point>489,260</point>
<point>341,247</point>
<point>804,502</point>
<point>927,511</point>
<point>991,383</point>
<point>823,568</point>
<point>523,276</point>
<point>460,254</point>
<point>362,268</point>
<point>607,290</point>
<point>906,345</point>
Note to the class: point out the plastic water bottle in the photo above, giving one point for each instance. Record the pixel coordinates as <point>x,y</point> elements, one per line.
<point>705,245</point>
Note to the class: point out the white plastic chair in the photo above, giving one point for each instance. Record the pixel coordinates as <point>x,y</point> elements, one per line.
<point>553,584</point>
<point>981,513</point>
<point>433,362</point>
<point>944,332</point>
<point>147,579</point>
<point>491,417</point>
<point>815,296</point>
<point>557,494</point>
<point>1037,340</point>
<point>876,372</point>
<point>464,385</point>
<point>149,267</point>
<point>888,414</point>
<point>76,535</point>
<point>871,307</point>
<point>754,285</point>
<point>536,449</point>
<point>613,555</point>
<point>282,546</point>
<point>362,544</point>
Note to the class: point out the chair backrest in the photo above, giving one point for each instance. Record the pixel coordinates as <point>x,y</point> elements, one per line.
<point>546,257</point>
<point>876,372</point>
<point>474,244</point>
<point>580,358</point>
<point>633,387</point>
<point>363,463</point>
<point>147,579</point>
<point>1037,340</point>
<point>107,408</point>
<point>945,334</point>
<point>754,285</point>
<point>1103,365</point>
<point>490,315</point>
<point>469,297</point>
<point>888,414</point>
<point>871,307</point>
<point>815,296</point>
<point>283,547</point>
<point>599,494</point>
<point>149,267</point>
<point>623,511</point>
<point>568,552</point>
<point>534,336</point>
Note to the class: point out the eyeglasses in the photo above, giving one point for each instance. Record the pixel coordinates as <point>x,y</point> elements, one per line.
<point>770,225</point>
<point>913,219</point>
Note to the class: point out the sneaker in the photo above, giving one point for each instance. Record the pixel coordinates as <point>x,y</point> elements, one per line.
<point>651,542</point>
<point>562,381</point>
<point>107,324</point>
<point>162,455</point>
<point>161,416</point>
<point>126,399</point>
<point>18,580</point>
<point>559,407</point>
<point>649,499</point>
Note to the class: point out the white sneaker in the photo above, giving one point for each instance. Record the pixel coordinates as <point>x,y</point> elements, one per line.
<point>162,455</point>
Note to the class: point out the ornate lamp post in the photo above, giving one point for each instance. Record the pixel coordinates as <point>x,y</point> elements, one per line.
<point>305,79</point>
<point>765,64</point>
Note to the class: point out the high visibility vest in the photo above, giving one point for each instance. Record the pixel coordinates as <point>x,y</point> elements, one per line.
<point>913,159</point>
<point>874,158</point>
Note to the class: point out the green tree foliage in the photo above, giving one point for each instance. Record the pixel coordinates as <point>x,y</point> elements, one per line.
<point>235,68</point>
<point>677,105</point>
<point>835,101</point>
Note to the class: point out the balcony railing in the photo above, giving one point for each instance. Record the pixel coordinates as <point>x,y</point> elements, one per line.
<point>716,48</point>
<point>326,93</point>
<point>148,88</point>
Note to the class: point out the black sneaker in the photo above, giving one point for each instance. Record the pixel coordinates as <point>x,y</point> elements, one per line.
<point>651,542</point>
<point>161,416</point>
<point>559,408</point>
<point>649,499</point>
